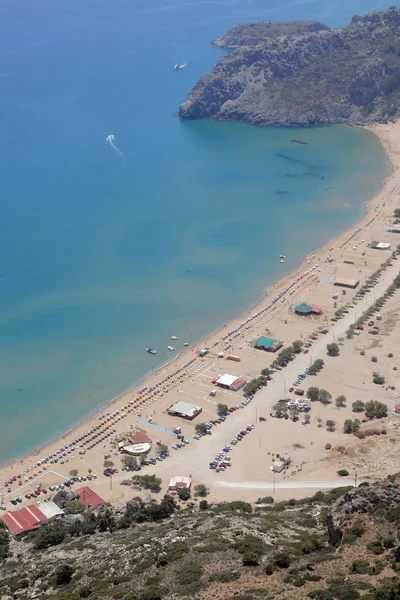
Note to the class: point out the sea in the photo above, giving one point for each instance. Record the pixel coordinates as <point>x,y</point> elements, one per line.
<point>110,245</point>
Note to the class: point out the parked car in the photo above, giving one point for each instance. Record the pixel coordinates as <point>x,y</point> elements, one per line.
<point>262,419</point>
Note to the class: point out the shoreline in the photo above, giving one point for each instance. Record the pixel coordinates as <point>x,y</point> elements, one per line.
<point>371,208</point>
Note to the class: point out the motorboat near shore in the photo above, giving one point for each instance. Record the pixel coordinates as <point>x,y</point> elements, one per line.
<point>150,350</point>
<point>171,348</point>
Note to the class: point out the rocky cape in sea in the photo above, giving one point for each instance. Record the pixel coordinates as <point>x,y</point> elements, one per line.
<point>304,74</point>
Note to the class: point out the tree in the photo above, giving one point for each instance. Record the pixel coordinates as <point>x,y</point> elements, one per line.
<point>73,507</point>
<point>342,473</point>
<point>307,419</point>
<point>108,464</point>
<point>266,372</point>
<point>201,427</point>
<point>348,426</point>
<point>313,393</point>
<point>297,346</point>
<point>320,421</point>
<point>222,409</point>
<point>73,473</point>
<point>325,397</point>
<point>375,410</point>
<point>356,425</point>
<point>48,535</point>
<point>250,559</point>
<point>318,364</point>
<point>63,574</point>
<point>340,401</point>
<point>129,461</point>
<point>203,505</point>
<point>358,406</point>
<point>330,425</point>
<point>106,521</point>
<point>148,482</point>
<point>201,490</point>
<point>184,493</point>
<point>293,413</point>
<point>332,349</point>
<point>379,380</point>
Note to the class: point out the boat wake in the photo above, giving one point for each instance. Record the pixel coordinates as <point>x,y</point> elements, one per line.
<point>110,139</point>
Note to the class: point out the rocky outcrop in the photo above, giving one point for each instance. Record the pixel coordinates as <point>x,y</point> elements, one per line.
<point>63,496</point>
<point>300,74</point>
<point>382,497</point>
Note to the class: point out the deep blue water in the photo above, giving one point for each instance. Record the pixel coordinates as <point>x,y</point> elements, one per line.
<point>101,258</point>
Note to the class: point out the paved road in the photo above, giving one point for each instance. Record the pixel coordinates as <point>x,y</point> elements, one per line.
<point>284,485</point>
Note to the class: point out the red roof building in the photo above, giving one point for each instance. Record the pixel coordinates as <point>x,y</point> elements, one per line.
<point>24,520</point>
<point>238,384</point>
<point>88,497</point>
<point>140,437</point>
<point>397,408</point>
<point>317,310</point>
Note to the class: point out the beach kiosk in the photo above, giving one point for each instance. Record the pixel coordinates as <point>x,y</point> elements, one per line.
<point>267,344</point>
<point>303,309</point>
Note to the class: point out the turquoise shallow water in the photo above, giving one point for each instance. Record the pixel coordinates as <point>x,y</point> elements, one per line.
<point>100,258</point>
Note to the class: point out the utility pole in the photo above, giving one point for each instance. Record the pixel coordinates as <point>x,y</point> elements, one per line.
<point>355,477</point>
<point>273,483</point>
<point>110,482</point>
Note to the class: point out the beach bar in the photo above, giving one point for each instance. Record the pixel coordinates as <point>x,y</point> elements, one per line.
<point>184,410</point>
<point>348,283</point>
<point>267,344</point>
<point>303,309</point>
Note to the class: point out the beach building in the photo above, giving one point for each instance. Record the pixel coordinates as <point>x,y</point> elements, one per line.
<point>89,498</point>
<point>397,408</point>
<point>140,437</point>
<point>230,382</point>
<point>267,344</point>
<point>348,283</point>
<point>184,410</point>
<point>394,229</point>
<point>49,509</point>
<point>178,482</point>
<point>305,309</point>
<point>277,466</point>
<point>136,449</point>
<point>24,520</point>
<point>380,246</point>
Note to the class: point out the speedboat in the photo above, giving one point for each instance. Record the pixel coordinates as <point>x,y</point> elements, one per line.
<point>178,66</point>
<point>150,350</point>
<point>171,348</point>
<point>174,337</point>
<point>282,256</point>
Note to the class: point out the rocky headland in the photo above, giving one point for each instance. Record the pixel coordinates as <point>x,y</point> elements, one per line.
<point>304,74</point>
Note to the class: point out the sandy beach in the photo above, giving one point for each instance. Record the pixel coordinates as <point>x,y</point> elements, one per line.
<point>188,377</point>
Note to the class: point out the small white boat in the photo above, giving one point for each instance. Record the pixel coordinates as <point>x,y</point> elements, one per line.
<point>150,350</point>
<point>282,256</point>
<point>179,65</point>
<point>281,261</point>
<point>171,348</point>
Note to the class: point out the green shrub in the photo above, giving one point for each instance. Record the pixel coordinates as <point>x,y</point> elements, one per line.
<point>203,505</point>
<point>184,494</point>
<point>188,578</point>
<point>250,544</point>
<point>342,473</point>
<point>265,500</point>
<point>251,559</point>
<point>225,576</point>
<point>73,507</point>
<point>63,574</point>
<point>361,567</point>
<point>269,569</point>
<point>236,505</point>
<point>282,560</point>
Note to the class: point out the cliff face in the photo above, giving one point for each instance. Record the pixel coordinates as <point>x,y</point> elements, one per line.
<point>301,74</point>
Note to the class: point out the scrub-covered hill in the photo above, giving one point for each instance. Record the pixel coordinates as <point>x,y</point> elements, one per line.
<point>342,545</point>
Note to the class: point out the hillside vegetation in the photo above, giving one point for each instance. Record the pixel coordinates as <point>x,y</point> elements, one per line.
<point>341,545</point>
<point>303,74</point>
